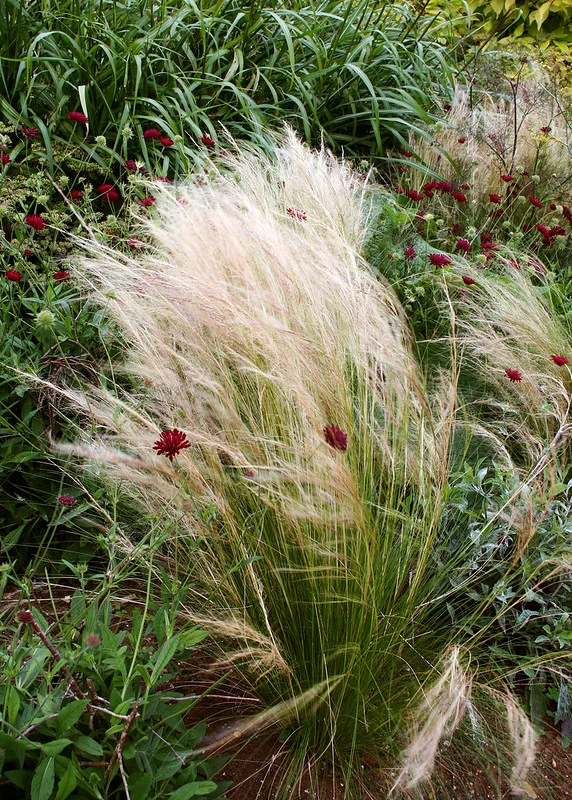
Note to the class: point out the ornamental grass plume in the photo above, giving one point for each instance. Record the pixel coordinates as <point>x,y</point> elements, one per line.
<point>310,465</point>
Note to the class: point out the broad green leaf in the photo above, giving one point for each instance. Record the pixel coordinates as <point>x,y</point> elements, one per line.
<point>89,746</point>
<point>12,701</point>
<point>69,715</point>
<point>139,786</point>
<point>43,780</point>
<point>164,656</point>
<point>55,748</point>
<point>194,789</point>
<point>67,783</point>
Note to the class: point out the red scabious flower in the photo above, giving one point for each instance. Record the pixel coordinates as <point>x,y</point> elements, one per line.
<point>546,129</point>
<point>560,360</point>
<point>107,191</point>
<point>535,202</point>
<point>170,443</point>
<point>131,165</point>
<point>76,195</point>
<point>513,375</point>
<point>25,616</point>
<point>135,244</point>
<point>495,198</point>
<point>147,201</point>
<point>151,133</point>
<point>462,140</point>
<point>413,194</point>
<point>408,154</point>
<point>36,222</point>
<point>463,244</point>
<point>506,178</point>
<point>398,191</point>
<point>297,213</point>
<point>410,253</point>
<point>335,437</point>
<point>206,139</point>
<point>444,186</point>
<point>459,197</point>
<point>5,158</point>
<point>61,275</point>
<point>166,142</point>
<point>439,259</point>
<point>29,133</point>
<point>468,280</point>
<point>164,178</point>
<point>77,116</point>
<point>13,275</point>
<point>66,500</point>
<point>487,244</point>
<point>404,168</point>
<point>465,186</point>
<point>447,107</point>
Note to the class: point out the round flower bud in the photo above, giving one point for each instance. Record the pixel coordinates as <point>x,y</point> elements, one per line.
<point>45,318</point>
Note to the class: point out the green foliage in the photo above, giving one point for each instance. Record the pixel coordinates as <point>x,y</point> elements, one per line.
<point>89,709</point>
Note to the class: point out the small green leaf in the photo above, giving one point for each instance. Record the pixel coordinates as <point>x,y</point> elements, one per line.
<point>139,786</point>
<point>89,746</point>
<point>43,780</point>
<point>163,657</point>
<point>67,783</point>
<point>12,701</point>
<point>194,789</point>
<point>55,748</point>
<point>69,715</point>
<point>190,638</point>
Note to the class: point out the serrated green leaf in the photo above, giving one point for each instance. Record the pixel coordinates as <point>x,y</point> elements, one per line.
<point>43,780</point>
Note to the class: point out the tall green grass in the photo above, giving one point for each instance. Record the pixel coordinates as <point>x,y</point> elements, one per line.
<point>329,572</point>
<point>356,73</point>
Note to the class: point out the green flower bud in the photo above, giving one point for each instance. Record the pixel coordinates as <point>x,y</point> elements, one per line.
<point>535,178</point>
<point>520,170</point>
<point>127,132</point>
<point>45,318</point>
<point>439,126</point>
<point>100,141</point>
<point>481,258</point>
<point>429,217</point>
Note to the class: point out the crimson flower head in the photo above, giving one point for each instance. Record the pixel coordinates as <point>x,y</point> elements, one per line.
<point>463,244</point>
<point>513,375</point>
<point>25,616</point>
<point>29,133</point>
<point>459,197</point>
<point>495,198</point>
<point>77,116</point>
<point>546,129</point>
<point>413,194</point>
<point>439,259</point>
<point>5,158</point>
<point>131,165</point>
<point>398,190</point>
<point>151,133</point>
<point>335,437</point>
<point>66,500</point>
<point>164,178</point>
<point>444,186</point>
<point>13,275</point>
<point>107,191</point>
<point>165,141</point>
<point>535,202</point>
<point>410,253</point>
<point>36,222</point>
<point>297,213</point>
<point>170,443</point>
<point>408,154</point>
<point>462,140</point>
<point>506,178</point>
<point>61,275</point>
<point>147,201</point>
<point>92,640</point>
<point>206,140</point>
<point>135,243</point>
<point>468,280</point>
<point>76,195</point>
<point>447,107</point>
<point>561,361</point>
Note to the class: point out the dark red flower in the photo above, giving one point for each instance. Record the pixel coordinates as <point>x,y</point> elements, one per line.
<point>506,178</point>
<point>92,640</point>
<point>398,191</point>
<point>297,213</point>
<point>77,116</point>
<point>107,191</point>
<point>468,280</point>
<point>147,201</point>
<point>408,154</point>
<point>36,222</point>
<point>462,140</point>
<point>164,178</point>
<point>513,375</point>
<point>29,133</point>
<point>404,168</point>
<point>66,500</point>
<point>560,360</point>
<point>495,198</point>
<point>444,186</point>
<point>459,197</point>
<point>131,165</point>
<point>76,195</point>
<point>166,142</point>
<point>463,244</point>
<point>135,244</point>
<point>413,194</point>
<point>61,275</point>
<point>465,186</point>
<point>170,443</point>
<point>13,275</point>
<point>151,133</point>
<point>4,158</point>
<point>25,616</point>
<point>335,437</point>
<point>535,202</point>
<point>410,253</point>
<point>439,259</point>
<point>546,129</point>
<point>206,139</point>
<point>447,107</point>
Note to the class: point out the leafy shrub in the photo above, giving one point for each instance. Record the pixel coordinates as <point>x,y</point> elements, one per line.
<point>88,710</point>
